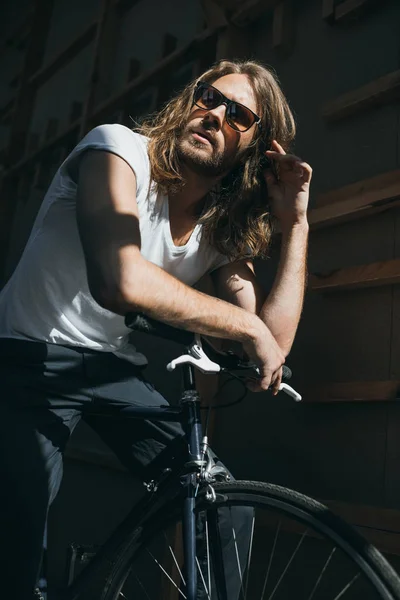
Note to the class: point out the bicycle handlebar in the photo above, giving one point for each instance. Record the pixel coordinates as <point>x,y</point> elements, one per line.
<point>227,360</point>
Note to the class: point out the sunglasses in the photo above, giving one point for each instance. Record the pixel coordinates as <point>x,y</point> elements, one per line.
<point>238,116</point>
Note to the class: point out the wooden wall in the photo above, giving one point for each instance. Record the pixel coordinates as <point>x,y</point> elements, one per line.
<point>338,61</point>
<point>339,69</point>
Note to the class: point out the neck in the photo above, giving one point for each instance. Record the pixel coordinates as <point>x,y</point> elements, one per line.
<point>190,197</point>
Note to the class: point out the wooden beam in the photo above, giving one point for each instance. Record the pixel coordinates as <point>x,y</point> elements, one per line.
<point>364,276</point>
<point>384,90</point>
<point>361,199</point>
<point>36,154</point>
<point>356,391</point>
<point>64,57</point>
<point>104,45</point>
<point>161,69</point>
<point>376,185</point>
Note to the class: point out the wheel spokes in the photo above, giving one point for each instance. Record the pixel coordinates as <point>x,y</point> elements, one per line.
<point>321,574</point>
<point>288,565</point>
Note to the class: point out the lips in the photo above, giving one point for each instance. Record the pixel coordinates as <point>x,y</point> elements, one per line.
<point>203,134</point>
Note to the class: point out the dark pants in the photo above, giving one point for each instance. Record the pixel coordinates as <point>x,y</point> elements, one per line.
<point>45,390</point>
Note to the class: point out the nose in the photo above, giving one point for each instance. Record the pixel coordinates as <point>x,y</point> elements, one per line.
<point>215,117</point>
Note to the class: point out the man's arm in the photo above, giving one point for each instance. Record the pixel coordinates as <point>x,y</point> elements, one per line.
<point>288,196</point>
<point>122,280</point>
<point>281,309</point>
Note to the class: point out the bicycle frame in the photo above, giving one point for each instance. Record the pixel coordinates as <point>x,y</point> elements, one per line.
<point>188,414</point>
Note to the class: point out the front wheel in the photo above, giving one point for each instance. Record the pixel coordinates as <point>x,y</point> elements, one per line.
<point>256,541</point>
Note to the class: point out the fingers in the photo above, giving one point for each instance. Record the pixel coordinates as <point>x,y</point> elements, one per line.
<point>270,381</point>
<point>276,381</point>
<point>292,163</point>
<point>290,159</point>
<point>270,177</point>
<point>278,147</point>
<point>261,384</point>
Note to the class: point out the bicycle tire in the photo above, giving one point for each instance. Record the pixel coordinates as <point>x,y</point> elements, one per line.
<point>286,502</point>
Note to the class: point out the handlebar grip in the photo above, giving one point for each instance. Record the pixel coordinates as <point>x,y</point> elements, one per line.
<point>143,324</point>
<point>286,373</point>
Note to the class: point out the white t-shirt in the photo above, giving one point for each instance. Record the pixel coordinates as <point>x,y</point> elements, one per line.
<point>48,298</point>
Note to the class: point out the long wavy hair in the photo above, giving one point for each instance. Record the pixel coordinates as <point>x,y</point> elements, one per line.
<point>236,217</point>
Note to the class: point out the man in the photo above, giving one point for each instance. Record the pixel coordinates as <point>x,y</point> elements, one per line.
<point>130,223</point>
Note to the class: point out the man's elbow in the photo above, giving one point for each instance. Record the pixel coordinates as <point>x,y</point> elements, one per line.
<point>118,295</point>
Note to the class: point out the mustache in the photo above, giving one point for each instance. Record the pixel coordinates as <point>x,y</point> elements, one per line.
<point>205,132</point>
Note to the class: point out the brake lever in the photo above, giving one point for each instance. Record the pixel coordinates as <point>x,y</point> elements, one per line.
<point>284,387</point>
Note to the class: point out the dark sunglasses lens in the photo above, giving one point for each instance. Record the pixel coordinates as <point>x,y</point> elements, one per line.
<point>239,117</point>
<point>207,97</point>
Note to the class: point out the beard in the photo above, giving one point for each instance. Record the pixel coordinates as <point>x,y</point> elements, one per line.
<point>204,160</point>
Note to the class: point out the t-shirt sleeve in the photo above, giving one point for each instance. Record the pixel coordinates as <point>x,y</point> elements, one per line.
<point>119,140</point>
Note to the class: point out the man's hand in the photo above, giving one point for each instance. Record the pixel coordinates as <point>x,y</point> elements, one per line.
<point>268,356</point>
<point>290,191</point>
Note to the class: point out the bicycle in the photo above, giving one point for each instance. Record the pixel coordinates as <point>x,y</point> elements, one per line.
<point>171,544</point>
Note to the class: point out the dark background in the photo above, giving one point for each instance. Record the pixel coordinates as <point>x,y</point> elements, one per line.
<point>68,65</point>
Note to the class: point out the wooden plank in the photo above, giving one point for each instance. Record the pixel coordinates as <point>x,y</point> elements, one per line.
<point>357,201</point>
<point>64,57</point>
<point>161,69</point>
<point>375,274</point>
<point>103,45</point>
<point>376,184</point>
<point>380,91</point>
<point>31,158</point>
<point>355,391</point>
